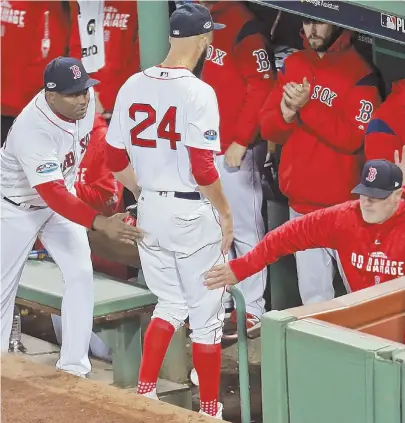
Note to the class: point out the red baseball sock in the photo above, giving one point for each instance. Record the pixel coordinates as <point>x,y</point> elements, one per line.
<point>156,341</point>
<point>207,363</point>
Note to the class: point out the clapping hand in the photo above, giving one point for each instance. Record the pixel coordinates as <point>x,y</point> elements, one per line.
<point>296,95</point>
<point>400,163</point>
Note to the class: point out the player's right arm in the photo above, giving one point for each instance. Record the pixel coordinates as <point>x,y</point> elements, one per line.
<point>39,160</point>
<point>202,141</point>
<point>319,229</point>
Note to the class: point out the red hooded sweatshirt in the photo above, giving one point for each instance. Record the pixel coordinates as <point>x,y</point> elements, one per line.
<point>121,47</point>
<point>321,160</point>
<point>32,34</point>
<point>369,253</point>
<point>386,131</point>
<point>95,184</point>
<point>238,69</point>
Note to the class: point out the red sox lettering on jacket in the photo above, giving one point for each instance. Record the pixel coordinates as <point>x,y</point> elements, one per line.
<point>322,157</point>
<point>239,72</point>
<point>370,253</point>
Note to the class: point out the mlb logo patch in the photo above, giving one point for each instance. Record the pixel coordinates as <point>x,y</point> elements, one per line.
<point>389,21</point>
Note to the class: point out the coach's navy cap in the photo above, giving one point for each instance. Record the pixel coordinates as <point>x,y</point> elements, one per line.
<point>66,75</point>
<point>380,178</point>
<point>192,19</point>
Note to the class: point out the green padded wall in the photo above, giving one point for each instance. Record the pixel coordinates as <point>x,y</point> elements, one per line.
<point>314,372</point>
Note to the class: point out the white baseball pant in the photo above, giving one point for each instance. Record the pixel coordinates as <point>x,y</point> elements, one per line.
<point>243,190</point>
<point>98,347</point>
<point>182,242</point>
<point>67,243</point>
<point>316,270</point>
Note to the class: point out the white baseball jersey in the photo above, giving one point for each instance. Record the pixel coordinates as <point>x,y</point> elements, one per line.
<point>41,147</point>
<point>158,113</point>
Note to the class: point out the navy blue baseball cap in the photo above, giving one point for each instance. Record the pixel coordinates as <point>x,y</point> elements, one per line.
<point>192,19</point>
<point>66,75</point>
<point>380,178</point>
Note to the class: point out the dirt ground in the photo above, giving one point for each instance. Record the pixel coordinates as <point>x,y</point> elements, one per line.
<point>34,393</point>
<point>40,326</point>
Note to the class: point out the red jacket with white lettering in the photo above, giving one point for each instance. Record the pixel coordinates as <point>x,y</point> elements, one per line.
<point>386,131</point>
<point>32,34</point>
<point>121,47</point>
<point>370,254</point>
<point>322,157</point>
<point>95,184</point>
<point>238,69</point>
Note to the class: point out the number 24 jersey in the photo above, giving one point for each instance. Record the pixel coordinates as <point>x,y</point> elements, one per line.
<point>158,114</point>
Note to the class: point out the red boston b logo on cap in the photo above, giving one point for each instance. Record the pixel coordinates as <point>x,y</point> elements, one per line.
<point>76,71</point>
<point>372,173</point>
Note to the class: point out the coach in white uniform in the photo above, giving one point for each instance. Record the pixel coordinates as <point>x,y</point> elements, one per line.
<point>167,120</point>
<point>39,162</point>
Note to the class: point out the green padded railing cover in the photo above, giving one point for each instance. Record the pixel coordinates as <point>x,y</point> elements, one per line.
<point>41,282</point>
<point>314,372</point>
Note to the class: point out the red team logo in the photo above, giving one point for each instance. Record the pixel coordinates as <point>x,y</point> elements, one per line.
<point>372,173</point>
<point>76,72</point>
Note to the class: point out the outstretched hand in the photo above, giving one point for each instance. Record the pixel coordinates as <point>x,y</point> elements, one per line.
<point>220,276</point>
<point>116,228</point>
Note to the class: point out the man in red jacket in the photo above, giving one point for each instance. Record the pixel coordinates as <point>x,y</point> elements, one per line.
<point>121,46</point>
<point>320,108</point>
<point>369,234</point>
<point>95,184</point>
<point>386,131</point>
<point>238,68</point>
<point>32,34</point>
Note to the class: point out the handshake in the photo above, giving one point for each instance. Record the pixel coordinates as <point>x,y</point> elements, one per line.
<point>121,227</point>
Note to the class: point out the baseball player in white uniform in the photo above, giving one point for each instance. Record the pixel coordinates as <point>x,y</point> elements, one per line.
<point>167,120</point>
<point>39,162</point>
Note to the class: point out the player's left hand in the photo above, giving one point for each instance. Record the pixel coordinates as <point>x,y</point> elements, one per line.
<point>220,276</point>
<point>234,155</point>
<point>400,162</point>
<point>297,95</point>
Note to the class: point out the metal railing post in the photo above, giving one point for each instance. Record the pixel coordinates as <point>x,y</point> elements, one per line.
<point>244,383</point>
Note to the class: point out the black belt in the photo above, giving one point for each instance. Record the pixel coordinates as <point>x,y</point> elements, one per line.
<point>184,195</point>
<point>20,205</point>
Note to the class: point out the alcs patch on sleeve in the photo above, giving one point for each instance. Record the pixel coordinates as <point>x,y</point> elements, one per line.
<point>48,167</point>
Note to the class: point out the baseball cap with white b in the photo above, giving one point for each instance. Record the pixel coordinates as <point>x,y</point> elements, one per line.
<point>67,75</point>
<point>380,178</point>
<point>192,19</point>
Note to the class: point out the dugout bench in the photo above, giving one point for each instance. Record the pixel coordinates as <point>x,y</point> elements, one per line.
<point>118,309</point>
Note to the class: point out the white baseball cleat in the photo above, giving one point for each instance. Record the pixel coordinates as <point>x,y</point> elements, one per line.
<point>217,416</point>
<point>151,395</point>
<point>194,377</point>
<point>77,374</point>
